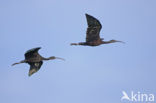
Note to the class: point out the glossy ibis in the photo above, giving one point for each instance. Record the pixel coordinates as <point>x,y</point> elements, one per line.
<point>35,60</point>
<point>92,34</point>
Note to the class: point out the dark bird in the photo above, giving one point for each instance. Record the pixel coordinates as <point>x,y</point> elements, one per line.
<point>92,34</point>
<point>35,60</point>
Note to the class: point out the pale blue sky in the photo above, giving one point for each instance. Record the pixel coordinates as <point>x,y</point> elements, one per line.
<point>89,74</point>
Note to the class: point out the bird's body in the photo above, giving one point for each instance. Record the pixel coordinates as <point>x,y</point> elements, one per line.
<point>93,33</point>
<point>35,60</point>
<point>93,43</point>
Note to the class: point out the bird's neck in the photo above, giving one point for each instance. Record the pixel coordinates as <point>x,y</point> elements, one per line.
<point>46,58</point>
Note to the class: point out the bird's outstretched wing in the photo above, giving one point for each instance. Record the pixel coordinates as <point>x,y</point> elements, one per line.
<point>34,67</point>
<point>32,53</point>
<point>93,30</point>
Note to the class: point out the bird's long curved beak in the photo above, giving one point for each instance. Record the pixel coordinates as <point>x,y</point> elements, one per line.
<point>120,41</point>
<point>60,58</point>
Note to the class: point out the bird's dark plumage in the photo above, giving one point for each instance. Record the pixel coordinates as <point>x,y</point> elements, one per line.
<point>93,29</point>
<point>93,22</point>
<point>93,33</point>
<point>34,67</point>
<point>35,60</point>
<point>32,53</point>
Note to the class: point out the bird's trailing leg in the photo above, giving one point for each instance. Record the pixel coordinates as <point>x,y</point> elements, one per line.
<point>81,43</point>
<point>23,61</point>
<point>74,44</point>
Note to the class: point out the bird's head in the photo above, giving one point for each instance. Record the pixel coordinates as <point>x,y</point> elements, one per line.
<point>113,41</point>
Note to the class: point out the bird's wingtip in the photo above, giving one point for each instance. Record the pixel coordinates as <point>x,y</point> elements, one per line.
<point>39,47</point>
<point>87,14</point>
<point>29,74</point>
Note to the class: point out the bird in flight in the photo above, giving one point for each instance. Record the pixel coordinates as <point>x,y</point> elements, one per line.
<point>35,60</point>
<point>93,33</point>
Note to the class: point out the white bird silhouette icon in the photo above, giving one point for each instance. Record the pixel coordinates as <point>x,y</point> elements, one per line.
<point>125,96</point>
